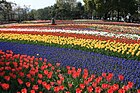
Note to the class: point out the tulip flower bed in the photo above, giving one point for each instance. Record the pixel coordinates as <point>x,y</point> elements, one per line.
<point>111,27</point>
<point>100,48</point>
<point>93,29</point>
<point>112,48</point>
<point>96,63</point>
<point>28,74</point>
<point>117,29</point>
<point>106,23</point>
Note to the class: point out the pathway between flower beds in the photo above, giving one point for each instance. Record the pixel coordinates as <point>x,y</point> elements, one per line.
<point>96,63</point>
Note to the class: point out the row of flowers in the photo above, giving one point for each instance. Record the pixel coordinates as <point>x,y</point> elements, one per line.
<point>116,28</point>
<point>96,63</point>
<point>28,74</point>
<point>88,32</point>
<point>106,47</point>
<point>106,23</point>
<point>112,28</point>
<point>84,36</point>
<point>109,29</point>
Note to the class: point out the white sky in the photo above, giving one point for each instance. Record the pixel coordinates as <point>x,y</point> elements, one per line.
<point>35,4</point>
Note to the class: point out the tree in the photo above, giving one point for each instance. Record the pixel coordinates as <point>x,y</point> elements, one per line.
<point>78,11</point>
<point>89,6</point>
<point>32,14</point>
<point>64,10</point>
<point>6,9</point>
<point>108,7</point>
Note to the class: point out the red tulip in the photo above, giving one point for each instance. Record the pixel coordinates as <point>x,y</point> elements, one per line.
<point>47,86</point>
<point>138,91</point>
<point>125,88</point>
<point>45,60</point>
<point>35,87</point>
<point>50,74</point>
<point>98,90</point>
<point>93,76</point>
<point>61,87</point>
<point>85,76</point>
<point>130,84</point>
<point>57,64</point>
<point>59,82</point>
<point>36,70</point>
<point>7,63</point>
<point>32,91</point>
<point>94,84</point>
<point>14,70</point>
<point>90,89</point>
<point>7,68</point>
<point>110,91</point>
<point>82,86</point>
<point>115,87</point>
<point>44,83</point>
<point>79,70</point>
<point>49,64</point>
<point>28,84</point>
<point>69,72</point>
<point>39,81</point>
<point>70,85</point>
<point>7,78</point>
<point>61,77</point>
<point>68,67</point>
<point>36,59</point>
<point>40,76</point>
<point>105,86</point>
<point>86,82</point>
<point>5,86</point>
<point>58,71</point>
<point>24,90</point>
<point>78,90</point>
<point>52,68</point>
<point>21,74</point>
<point>32,72</point>
<point>98,80</point>
<point>46,72</point>
<point>85,71</point>
<point>104,75</point>
<point>36,63</point>
<point>121,91</point>
<point>56,89</point>
<point>109,78</point>
<point>121,77</point>
<point>74,75</point>
<point>29,76</point>
<point>40,59</point>
<point>20,81</point>
<point>15,64</point>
